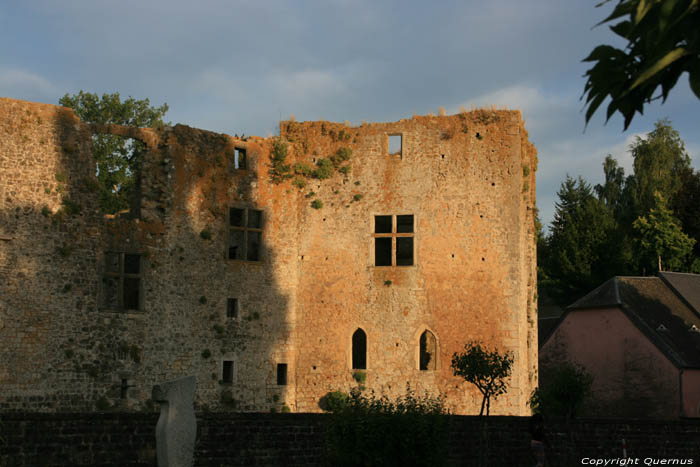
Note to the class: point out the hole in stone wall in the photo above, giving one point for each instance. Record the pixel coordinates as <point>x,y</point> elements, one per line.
<point>359,350</point>
<point>483,259</point>
<point>395,145</point>
<point>227,371</point>
<point>239,159</point>
<point>493,184</point>
<point>232,308</point>
<point>281,374</point>
<point>443,156</point>
<point>428,349</point>
<point>453,255</point>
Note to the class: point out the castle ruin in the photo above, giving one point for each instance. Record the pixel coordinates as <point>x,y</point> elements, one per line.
<point>272,293</point>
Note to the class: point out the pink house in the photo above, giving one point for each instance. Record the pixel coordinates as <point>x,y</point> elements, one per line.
<point>640,339</point>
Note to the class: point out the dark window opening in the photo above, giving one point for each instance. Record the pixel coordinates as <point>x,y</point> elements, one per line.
<point>124,388</point>
<point>404,224</point>
<point>227,372</point>
<point>239,160</point>
<point>382,224</point>
<point>395,145</point>
<point>232,308</point>
<point>281,374</point>
<point>404,251</point>
<point>394,247</point>
<point>122,281</point>
<point>245,234</point>
<point>382,251</point>
<point>428,349</point>
<point>359,350</point>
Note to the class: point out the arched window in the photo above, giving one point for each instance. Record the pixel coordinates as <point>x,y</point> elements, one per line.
<point>428,348</point>
<point>359,350</point>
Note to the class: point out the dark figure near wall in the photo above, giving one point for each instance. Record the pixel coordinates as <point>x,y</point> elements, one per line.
<point>538,441</point>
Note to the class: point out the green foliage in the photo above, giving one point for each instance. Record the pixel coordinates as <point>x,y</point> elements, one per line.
<point>659,160</point>
<point>324,169</point>
<point>335,401</point>
<point>310,194</point>
<point>344,169</point>
<point>202,300</point>
<point>205,234</point>
<point>285,409</point>
<point>302,168</point>
<point>375,431</point>
<point>299,182</point>
<point>206,353</point>
<point>582,251</point>
<point>70,207</point>
<point>118,159</point>
<point>357,197</point>
<point>317,204</point>
<point>662,43</point>
<point>487,370</point>
<point>45,211</point>
<point>359,376</point>
<point>388,282</point>
<point>279,170</point>
<point>563,389</point>
<point>660,239</point>
<point>341,155</point>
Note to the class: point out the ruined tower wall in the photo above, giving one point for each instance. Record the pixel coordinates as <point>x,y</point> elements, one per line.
<point>461,177</point>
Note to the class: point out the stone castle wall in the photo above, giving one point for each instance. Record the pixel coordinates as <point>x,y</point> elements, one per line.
<point>467,180</point>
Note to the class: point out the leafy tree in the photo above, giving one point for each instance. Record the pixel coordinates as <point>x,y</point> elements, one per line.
<point>659,160</point>
<point>484,369</point>
<point>118,159</point>
<point>660,239</point>
<point>662,43</point>
<point>582,247</point>
<point>686,206</point>
<point>563,389</point>
<point>610,193</point>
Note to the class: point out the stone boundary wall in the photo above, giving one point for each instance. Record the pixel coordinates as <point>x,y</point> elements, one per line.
<point>227,439</point>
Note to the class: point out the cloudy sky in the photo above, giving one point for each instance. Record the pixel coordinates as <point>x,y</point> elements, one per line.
<point>241,66</point>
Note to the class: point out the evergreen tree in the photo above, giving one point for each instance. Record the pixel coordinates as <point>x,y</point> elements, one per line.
<point>582,251</point>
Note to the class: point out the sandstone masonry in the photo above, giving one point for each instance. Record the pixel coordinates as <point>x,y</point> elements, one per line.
<point>272,294</point>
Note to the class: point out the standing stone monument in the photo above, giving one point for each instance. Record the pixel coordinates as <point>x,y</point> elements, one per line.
<point>177,426</point>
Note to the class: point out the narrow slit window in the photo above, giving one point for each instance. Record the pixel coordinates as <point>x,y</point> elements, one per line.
<point>281,374</point>
<point>227,372</point>
<point>245,234</point>
<point>240,161</point>
<point>232,308</point>
<point>428,349</point>
<point>395,145</point>
<point>359,350</point>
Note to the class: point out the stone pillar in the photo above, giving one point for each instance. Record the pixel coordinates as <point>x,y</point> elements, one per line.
<point>177,426</point>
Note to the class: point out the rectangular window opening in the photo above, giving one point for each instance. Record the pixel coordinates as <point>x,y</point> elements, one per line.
<point>227,372</point>
<point>281,374</point>
<point>232,308</point>
<point>382,251</point>
<point>404,224</point>
<point>395,145</point>
<point>245,234</point>
<point>122,281</point>
<point>239,160</point>
<point>382,224</point>
<point>404,251</point>
<point>124,388</point>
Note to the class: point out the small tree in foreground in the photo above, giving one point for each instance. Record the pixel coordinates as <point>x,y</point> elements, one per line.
<point>486,370</point>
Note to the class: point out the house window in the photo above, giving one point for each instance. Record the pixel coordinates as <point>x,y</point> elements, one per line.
<point>227,372</point>
<point>239,159</point>
<point>122,281</point>
<point>359,350</point>
<point>281,374</point>
<point>393,240</point>
<point>428,348</point>
<point>395,145</point>
<point>245,234</point>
